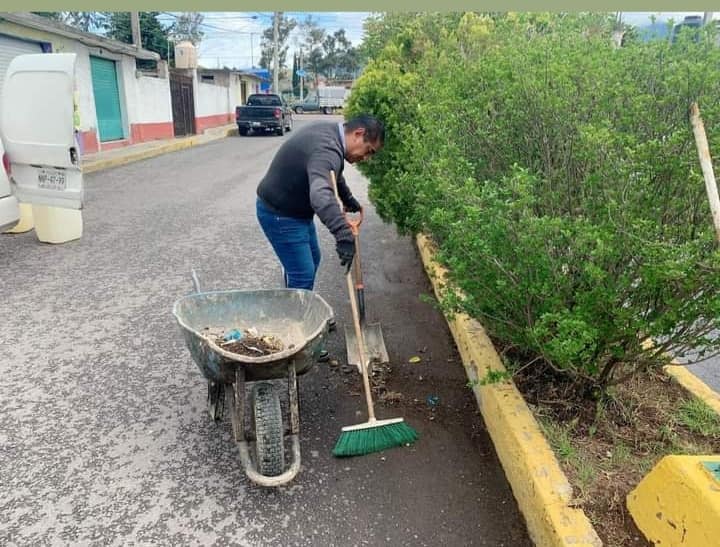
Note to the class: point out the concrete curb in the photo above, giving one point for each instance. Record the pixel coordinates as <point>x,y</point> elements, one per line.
<point>694,385</point>
<point>133,156</point>
<point>541,489</point>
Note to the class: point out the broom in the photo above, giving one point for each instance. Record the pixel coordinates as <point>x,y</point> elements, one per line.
<point>374,435</point>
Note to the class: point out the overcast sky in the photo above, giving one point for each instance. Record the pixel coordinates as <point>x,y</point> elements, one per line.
<point>231,37</point>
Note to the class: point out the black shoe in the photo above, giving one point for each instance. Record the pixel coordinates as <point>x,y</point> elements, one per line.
<point>323,356</point>
<point>332,324</point>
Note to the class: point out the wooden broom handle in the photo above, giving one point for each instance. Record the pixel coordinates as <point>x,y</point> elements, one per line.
<point>356,324</point>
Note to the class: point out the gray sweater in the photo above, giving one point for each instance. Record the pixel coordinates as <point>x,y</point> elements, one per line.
<point>297,183</point>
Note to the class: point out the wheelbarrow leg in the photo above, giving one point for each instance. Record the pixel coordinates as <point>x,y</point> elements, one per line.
<point>238,410</point>
<point>293,398</point>
<point>216,400</point>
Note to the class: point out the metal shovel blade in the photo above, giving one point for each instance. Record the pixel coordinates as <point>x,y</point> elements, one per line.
<point>374,345</point>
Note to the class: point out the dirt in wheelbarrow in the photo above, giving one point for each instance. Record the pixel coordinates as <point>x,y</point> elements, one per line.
<point>248,342</point>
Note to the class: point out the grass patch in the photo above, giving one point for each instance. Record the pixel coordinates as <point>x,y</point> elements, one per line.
<point>699,418</point>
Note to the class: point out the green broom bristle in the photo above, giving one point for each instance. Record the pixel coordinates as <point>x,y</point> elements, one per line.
<point>374,439</point>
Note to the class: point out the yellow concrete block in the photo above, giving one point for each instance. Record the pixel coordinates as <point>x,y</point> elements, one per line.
<point>26,220</point>
<point>678,502</point>
<point>539,485</point>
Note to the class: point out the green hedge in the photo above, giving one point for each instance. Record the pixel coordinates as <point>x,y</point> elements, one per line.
<point>559,176</point>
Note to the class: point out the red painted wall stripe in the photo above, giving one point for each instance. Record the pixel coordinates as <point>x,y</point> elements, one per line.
<point>142,132</point>
<point>205,122</point>
<point>88,142</point>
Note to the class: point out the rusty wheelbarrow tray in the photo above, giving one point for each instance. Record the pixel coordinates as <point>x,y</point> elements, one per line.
<point>297,317</point>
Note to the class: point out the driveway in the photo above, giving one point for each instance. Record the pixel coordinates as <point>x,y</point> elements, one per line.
<point>104,434</point>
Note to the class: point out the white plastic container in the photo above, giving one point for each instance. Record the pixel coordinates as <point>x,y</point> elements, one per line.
<point>56,224</point>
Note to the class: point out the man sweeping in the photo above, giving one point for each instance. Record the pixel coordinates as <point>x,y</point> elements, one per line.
<point>297,187</point>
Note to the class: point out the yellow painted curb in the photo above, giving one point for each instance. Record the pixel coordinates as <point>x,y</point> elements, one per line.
<point>159,150</point>
<point>694,385</point>
<point>678,502</point>
<point>541,489</point>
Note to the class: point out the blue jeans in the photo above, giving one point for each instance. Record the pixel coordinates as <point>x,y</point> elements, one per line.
<point>295,243</point>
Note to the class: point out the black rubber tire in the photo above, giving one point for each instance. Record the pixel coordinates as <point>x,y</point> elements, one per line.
<point>327,110</point>
<point>243,131</point>
<point>267,419</point>
<point>280,131</point>
<point>298,110</point>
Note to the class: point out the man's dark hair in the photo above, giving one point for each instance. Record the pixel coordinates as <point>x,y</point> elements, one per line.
<point>374,128</point>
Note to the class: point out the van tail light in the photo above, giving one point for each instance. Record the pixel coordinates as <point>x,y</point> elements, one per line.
<point>6,164</point>
<point>278,113</point>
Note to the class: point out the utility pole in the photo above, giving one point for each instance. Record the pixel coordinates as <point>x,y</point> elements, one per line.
<point>135,27</point>
<point>707,17</point>
<point>276,60</point>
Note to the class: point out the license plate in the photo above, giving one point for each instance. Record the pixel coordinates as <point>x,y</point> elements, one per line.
<point>256,124</point>
<point>52,179</point>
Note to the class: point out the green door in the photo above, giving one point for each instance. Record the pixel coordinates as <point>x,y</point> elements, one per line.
<point>107,99</point>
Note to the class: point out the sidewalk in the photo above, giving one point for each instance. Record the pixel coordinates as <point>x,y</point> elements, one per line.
<point>136,152</point>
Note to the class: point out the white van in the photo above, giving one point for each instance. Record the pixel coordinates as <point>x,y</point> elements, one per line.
<point>40,159</point>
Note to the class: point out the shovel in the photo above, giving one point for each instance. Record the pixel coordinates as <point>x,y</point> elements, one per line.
<point>372,333</point>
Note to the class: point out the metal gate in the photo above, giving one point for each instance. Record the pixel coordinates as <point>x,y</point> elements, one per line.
<point>107,99</point>
<point>12,47</point>
<point>183,109</point>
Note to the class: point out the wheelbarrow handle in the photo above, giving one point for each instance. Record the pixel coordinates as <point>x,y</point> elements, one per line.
<point>196,281</point>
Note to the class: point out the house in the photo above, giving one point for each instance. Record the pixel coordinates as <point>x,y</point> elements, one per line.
<point>119,103</point>
<point>239,84</point>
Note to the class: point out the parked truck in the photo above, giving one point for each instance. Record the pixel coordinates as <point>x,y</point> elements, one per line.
<point>264,112</point>
<point>324,99</point>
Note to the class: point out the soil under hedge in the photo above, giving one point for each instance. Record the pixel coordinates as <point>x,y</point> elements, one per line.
<point>607,446</point>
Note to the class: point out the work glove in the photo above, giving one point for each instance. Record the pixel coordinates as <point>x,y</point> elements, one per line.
<point>353,205</point>
<point>346,252</point>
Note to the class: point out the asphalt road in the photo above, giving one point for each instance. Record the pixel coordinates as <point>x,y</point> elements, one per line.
<point>708,371</point>
<point>104,434</point>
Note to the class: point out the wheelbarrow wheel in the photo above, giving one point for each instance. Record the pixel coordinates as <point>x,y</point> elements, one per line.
<point>267,418</point>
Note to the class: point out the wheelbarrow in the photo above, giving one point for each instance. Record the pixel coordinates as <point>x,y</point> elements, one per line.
<point>299,318</point>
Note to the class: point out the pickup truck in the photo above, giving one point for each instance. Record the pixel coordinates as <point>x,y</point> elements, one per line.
<point>264,113</point>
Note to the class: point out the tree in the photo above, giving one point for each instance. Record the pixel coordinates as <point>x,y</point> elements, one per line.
<point>341,58</point>
<point>285,27</point>
<point>314,37</point>
<point>187,27</point>
<point>153,36</point>
<point>87,21</point>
